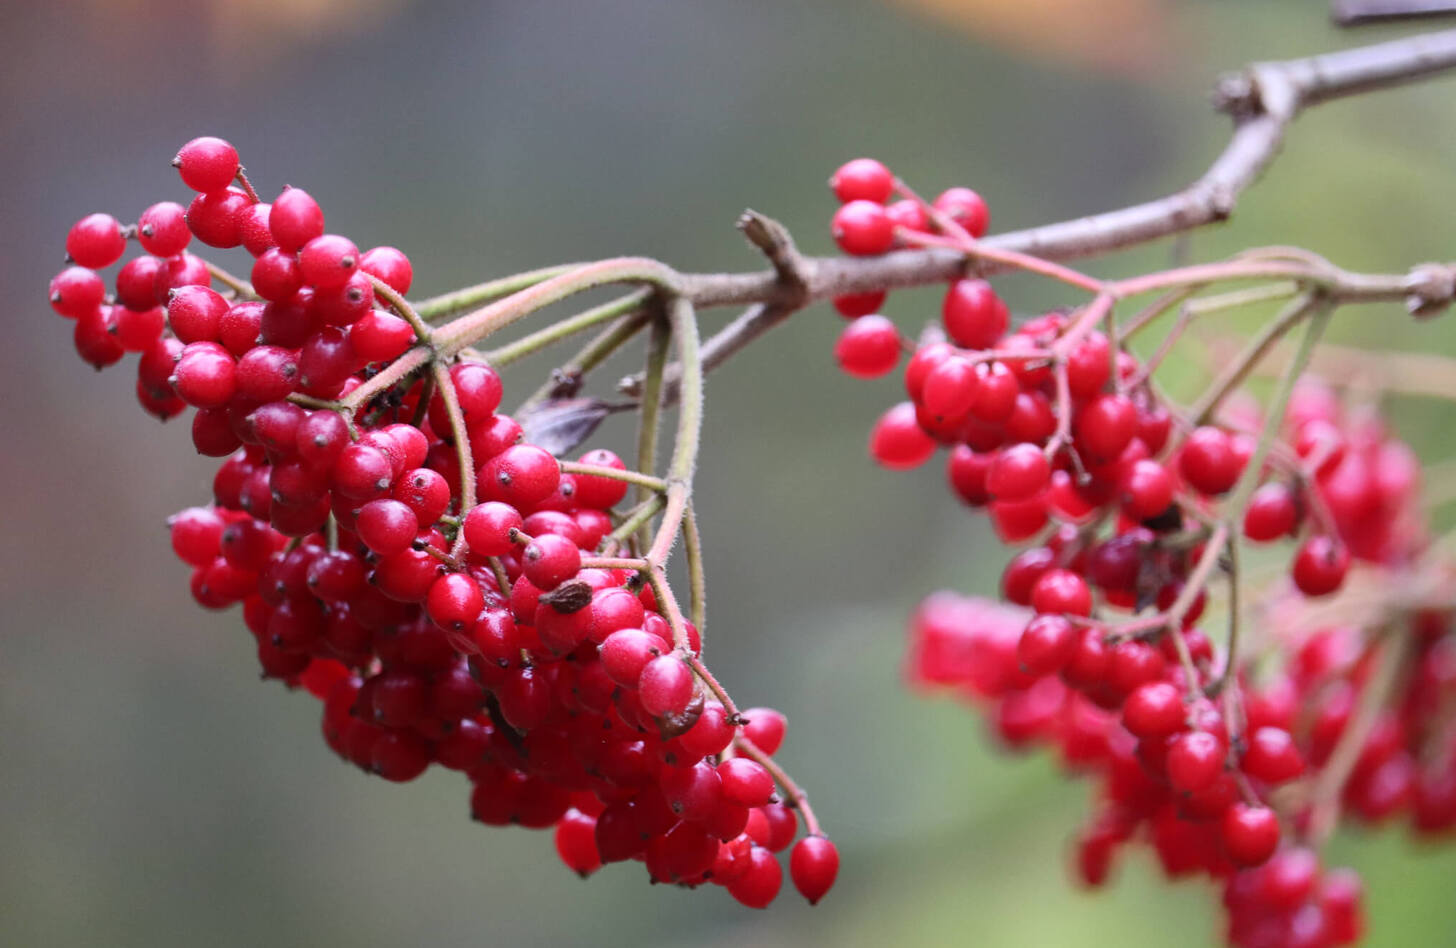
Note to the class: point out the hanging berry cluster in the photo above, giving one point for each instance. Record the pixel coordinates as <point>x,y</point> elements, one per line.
<point>1233,761</point>
<point>452,592</point>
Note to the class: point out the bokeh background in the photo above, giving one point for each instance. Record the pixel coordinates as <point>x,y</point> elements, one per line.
<point>153,793</point>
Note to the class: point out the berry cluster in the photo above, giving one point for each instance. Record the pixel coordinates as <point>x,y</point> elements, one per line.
<point>445,588</point>
<point>1232,764</point>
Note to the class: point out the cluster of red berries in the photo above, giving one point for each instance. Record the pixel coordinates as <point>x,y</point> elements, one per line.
<point>1060,438</point>
<point>474,638</point>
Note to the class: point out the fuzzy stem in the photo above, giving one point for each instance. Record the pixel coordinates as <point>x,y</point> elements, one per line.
<point>798,799</point>
<point>479,324</point>
<point>458,301</point>
<point>632,477</point>
<point>566,328</point>
<point>448,395</point>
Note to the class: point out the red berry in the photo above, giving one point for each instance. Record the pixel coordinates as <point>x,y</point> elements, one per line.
<point>760,883</point>
<point>95,241</point>
<point>162,229</point>
<point>855,305</point>
<point>1272,513</point>
<point>390,265</point>
<point>974,315</point>
<point>1018,472</point>
<point>1208,462</point>
<point>1046,645</point>
<point>966,208</point>
<point>1250,834</point>
<point>294,219</point>
<point>550,560</point>
<point>76,291</point>
<point>1271,756</point>
<point>863,179</point>
<point>1153,710</point>
<point>1147,489</point>
<point>862,228</point>
<point>326,261</point>
<point>1320,565</point>
<point>1195,759</point>
<point>1061,591</point>
<point>207,164</point>
<point>897,440</point>
<point>868,347</point>
<point>813,866</point>
<point>1105,426</point>
<point>386,526</point>
<point>666,686</point>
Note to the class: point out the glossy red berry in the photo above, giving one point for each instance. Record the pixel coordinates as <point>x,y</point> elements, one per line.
<point>549,560</point>
<point>1320,565</point>
<point>294,219</point>
<point>868,347</point>
<point>162,229</point>
<point>897,440</point>
<point>1018,472</point>
<point>813,867</point>
<point>327,261</point>
<point>862,228</point>
<point>1272,513</point>
<point>207,164</point>
<point>966,208</point>
<point>95,241</point>
<point>1250,834</point>
<point>1153,710</point>
<point>974,316</point>
<point>666,686</point>
<point>1208,462</point>
<point>862,179</point>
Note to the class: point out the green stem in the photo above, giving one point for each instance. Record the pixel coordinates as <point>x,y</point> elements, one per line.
<point>1258,347</point>
<point>479,324</point>
<point>458,301</point>
<point>651,408</point>
<point>394,373</point>
<point>594,353</point>
<point>636,517</point>
<point>632,477</point>
<point>446,386</point>
<point>566,328</point>
<point>1274,417</point>
<point>689,427</point>
<point>697,577</point>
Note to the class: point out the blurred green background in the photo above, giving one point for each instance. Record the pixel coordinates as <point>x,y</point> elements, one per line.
<point>153,793</point>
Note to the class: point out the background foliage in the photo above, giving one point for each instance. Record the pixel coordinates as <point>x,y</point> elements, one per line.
<point>152,793</point>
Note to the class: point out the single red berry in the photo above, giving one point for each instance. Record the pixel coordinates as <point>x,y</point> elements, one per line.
<point>1250,834</point>
<point>863,179</point>
<point>950,389</point>
<point>1147,489</point>
<point>95,241</point>
<point>1018,472</point>
<point>1320,565</point>
<point>746,782</point>
<point>207,164</point>
<point>760,883</point>
<point>813,866</point>
<point>1208,462</point>
<point>974,316</point>
<point>576,843</point>
<point>1195,759</point>
<point>862,228</point>
<point>855,305</point>
<point>326,261</point>
<point>488,528</point>
<point>1105,426</point>
<point>379,336</point>
<point>390,265</point>
<point>766,728</point>
<point>162,229</point>
<point>897,441</point>
<point>868,347</point>
<point>454,601</point>
<point>1046,645</point>
<point>76,291</point>
<point>1061,592</point>
<point>253,229</point>
<point>1272,513</point>
<point>1153,710</point>
<point>966,208</point>
<point>294,219</point>
<point>666,686</point>
<point>386,526</point>
<point>522,475</point>
<point>216,219</point>
<point>1271,756</point>
<point>550,560</point>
